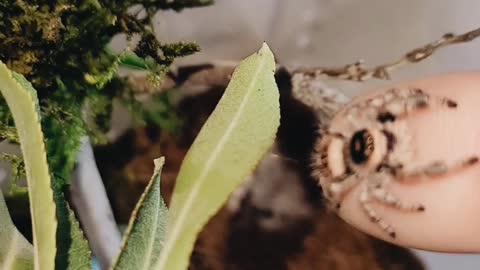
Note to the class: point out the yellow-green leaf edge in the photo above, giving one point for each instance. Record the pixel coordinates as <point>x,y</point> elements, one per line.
<point>23,104</point>
<point>236,136</point>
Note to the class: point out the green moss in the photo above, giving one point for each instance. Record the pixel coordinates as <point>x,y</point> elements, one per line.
<point>61,47</point>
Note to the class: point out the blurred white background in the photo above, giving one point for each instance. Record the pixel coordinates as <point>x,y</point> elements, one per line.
<point>334,33</point>
<point>329,32</point>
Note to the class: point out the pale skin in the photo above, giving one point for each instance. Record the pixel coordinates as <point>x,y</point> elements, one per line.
<point>451,220</point>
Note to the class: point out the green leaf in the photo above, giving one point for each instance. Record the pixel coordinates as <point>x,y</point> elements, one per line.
<point>73,251</point>
<point>145,234</point>
<point>16,253</point>
<point>131,60</point>
<point>69,248</point>
<point>23,103</point>
<point>236,136</point>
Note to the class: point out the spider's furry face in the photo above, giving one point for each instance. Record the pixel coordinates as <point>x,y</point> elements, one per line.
<point>360,153</point>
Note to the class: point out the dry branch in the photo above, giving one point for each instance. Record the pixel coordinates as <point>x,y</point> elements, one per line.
<point>358,72</point>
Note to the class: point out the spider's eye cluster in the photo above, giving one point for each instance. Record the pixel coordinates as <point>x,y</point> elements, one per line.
<point>361,146</point>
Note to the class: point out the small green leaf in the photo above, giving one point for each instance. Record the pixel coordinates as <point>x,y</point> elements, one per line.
<point>236,136</point>
<point>145,234</point>
<point>73,251</point>
<point>131,60</point>
<point>16,253</point>
<point>23,103</point>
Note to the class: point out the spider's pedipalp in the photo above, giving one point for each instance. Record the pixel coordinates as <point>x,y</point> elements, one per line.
<point>336,191</point>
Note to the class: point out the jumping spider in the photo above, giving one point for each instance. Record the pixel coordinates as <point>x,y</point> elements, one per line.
<point>373,144</point>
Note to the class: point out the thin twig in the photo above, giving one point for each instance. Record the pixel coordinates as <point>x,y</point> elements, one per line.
<point>357,72</point>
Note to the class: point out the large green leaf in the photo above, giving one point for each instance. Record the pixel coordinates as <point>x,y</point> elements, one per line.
<point>16,253</point>
<point>235,137</point>
<point>145,234</point>
<point>22,101</point>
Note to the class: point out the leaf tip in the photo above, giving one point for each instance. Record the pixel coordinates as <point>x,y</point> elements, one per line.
<point>265,50</point>
<point>159,162</point>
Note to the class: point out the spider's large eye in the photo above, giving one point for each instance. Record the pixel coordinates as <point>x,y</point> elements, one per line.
<point>361,146</point>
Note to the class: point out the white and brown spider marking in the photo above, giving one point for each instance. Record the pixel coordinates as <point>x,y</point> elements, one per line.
<point>373,144</point>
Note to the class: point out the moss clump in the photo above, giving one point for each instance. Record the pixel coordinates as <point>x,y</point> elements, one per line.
<point>61,47</point>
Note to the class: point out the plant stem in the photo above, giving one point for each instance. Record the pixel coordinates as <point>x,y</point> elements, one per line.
<point>93,208</point>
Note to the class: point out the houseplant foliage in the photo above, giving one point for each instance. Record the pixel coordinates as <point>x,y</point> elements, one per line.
<point>61,48</point>
<point>239,132</point>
